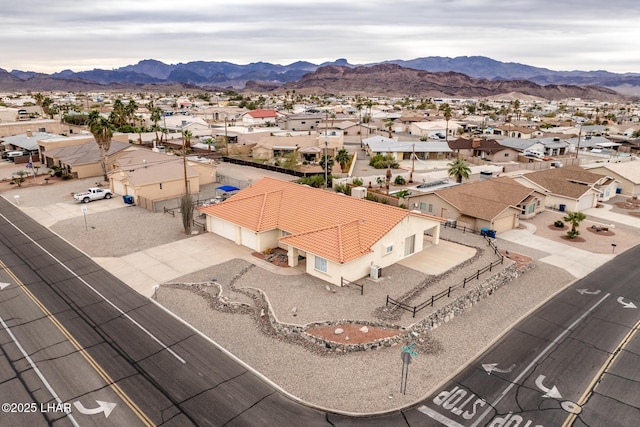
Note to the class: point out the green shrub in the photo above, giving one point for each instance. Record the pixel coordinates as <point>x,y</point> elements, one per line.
<point>357,182</point>
<point>399,180</point>
<point>383,162</point>
<point>559,224</point>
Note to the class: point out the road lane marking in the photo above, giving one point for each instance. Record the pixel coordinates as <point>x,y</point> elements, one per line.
<point>537,359</point>
<point>105,376</point>
<point>596,379</point>
<point>439,417</point>
<point>36,370</point>
<point>153,337</point>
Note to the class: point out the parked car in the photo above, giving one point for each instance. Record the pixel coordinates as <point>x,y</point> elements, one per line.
<point>93,194</point>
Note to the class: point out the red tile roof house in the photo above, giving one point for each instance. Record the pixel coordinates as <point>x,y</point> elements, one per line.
<point>336,235</point>
<point>260,117</point>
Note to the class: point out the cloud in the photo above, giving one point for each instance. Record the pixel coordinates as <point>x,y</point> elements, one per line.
<point>51,36</point>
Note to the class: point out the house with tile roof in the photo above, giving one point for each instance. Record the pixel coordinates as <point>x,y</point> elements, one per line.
<point>261,117</point>
<point>570,188</point>
<point>497,203</point>
<point>332,234</point>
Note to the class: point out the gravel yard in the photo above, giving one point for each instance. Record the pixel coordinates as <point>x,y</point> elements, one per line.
<point>359,382</point>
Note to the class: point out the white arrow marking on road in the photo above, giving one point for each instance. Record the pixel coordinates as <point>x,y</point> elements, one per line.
<point>588,292</point>
<point>105,407</point>
<point>548,392</point>
<point>3,285</point>
<point>626,304</point>
<point>491,367</point>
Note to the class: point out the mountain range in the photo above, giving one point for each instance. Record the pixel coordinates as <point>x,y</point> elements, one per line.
<point>151,74</point>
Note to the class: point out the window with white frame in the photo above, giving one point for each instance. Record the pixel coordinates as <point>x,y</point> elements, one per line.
<point>388,249</point>
<point>320,264</point>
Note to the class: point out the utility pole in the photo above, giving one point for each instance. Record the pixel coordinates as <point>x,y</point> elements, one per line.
<point>184,164</point>
<point>578,147</point>
<point>226,137</point>
<point>413,162</point>
<point>326,149</point>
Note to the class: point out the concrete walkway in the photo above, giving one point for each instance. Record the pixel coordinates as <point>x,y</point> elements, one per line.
<point>577,262</point>
<point>606,215</point>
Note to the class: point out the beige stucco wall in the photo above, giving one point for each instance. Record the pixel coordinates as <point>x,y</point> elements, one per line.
<point>360,267</point>
<point>206,172</point>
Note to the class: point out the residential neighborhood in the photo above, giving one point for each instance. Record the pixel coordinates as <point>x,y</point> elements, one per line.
<point>302,222</point>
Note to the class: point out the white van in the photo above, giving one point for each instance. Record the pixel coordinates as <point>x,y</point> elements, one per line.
<point>11,155</point>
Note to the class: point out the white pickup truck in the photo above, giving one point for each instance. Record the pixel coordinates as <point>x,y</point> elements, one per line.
<point>92,194</point>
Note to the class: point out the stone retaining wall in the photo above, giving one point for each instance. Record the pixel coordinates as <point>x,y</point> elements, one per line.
<point>435,319</point>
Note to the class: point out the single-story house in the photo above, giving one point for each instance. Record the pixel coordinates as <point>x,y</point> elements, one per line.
<point>82,160</point>
<point>487,149</point>
<point>46,145</point>
<point>570,188</point>
<point>145,174</point>
<point>518,132</point>
<point>436,129</point>
<point>261,117</point>
<point>336,236</point>
<point>626,173</point>
<point>309,145</point>
<point>497,204</point>
<point>549,147</point>
<point>404,150</point>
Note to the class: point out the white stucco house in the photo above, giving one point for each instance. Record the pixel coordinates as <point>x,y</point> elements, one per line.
<point>333,235</point>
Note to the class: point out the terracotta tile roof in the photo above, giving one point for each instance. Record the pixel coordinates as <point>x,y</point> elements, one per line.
<point>485,199</point>
<point>263,114</point>
<point>331,225</point>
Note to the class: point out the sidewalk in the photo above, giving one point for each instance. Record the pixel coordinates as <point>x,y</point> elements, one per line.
<point>577,262</point>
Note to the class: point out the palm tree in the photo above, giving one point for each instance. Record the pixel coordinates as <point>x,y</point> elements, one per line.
<point>156,115</point>
<point>326,160</point>
<point>575,218</point>
<point>459,169</point>
<point>118,116</point>
<point>343,158</point>
<point>446,109</point>
<point>102,130</point>
<point>187,135</point>
<point>130,110</point>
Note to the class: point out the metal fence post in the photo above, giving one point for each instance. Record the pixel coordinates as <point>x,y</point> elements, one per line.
<point>449,292</point>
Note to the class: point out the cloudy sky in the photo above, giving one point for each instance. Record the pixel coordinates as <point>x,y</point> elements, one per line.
<point>49,36</point>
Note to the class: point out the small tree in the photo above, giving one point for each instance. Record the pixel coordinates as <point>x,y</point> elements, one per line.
<point>20,177</point>
<point>574,218</point>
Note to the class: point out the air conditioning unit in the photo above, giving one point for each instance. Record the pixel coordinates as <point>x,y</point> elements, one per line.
<point>359,192</point>
<point>375,272</point>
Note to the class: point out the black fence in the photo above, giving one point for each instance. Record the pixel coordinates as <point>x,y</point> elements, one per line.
<point>447,292</point>
<point>345,282</point>
<point>270,167</point>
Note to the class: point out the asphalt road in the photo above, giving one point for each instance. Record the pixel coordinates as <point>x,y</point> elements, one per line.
<point>71,332</point>
<point>573,362</point>
<point>62,307</point>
